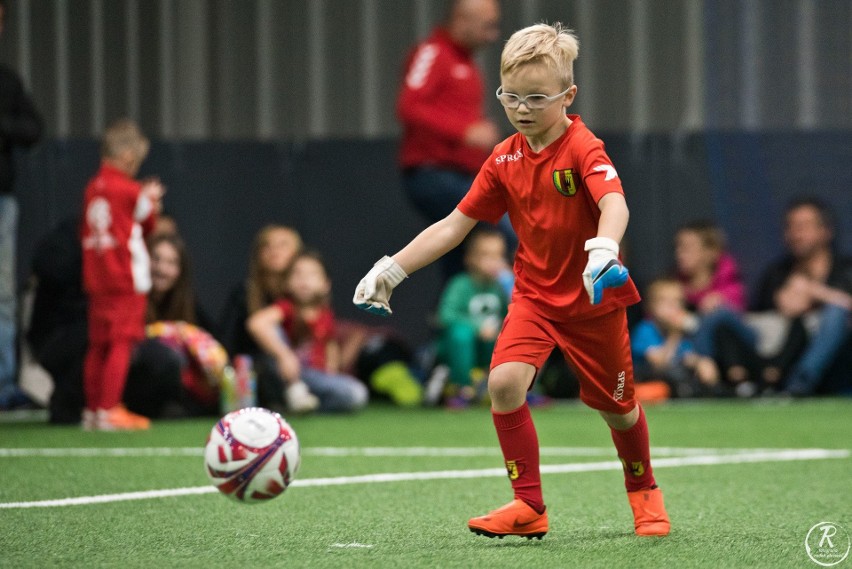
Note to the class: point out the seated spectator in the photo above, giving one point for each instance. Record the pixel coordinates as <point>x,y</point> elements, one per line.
<point>811,285</point>
<point>273,250</point>
<point>58,330</point>
<point>299,333</point>
<point>470,315</point>
<point>661,348</point>
<point>176,370</point>
<point>172,295</point>
<point>709,274</point>
<point>57,334</point>
<point>271,254</point>
<point>715,295</point>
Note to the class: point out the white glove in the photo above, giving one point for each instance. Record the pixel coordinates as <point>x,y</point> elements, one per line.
<point>374,291</point>
<point>603,270</point>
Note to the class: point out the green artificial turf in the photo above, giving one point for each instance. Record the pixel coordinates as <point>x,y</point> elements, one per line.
<point>727,515</point>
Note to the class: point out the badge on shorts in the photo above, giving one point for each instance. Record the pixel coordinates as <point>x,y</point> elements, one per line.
<point>564,182</point>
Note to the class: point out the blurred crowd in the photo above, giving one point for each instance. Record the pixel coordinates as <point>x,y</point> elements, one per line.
<point>122,334</point>
<point>698,332</point>
<point>704,334</point>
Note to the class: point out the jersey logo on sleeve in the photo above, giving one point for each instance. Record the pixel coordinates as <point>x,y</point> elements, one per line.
<point>564,182</point>
<point>609,169</point>
<point>420,67</point>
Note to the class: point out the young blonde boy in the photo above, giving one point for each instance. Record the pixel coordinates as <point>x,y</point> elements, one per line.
<point>118,212</point>
<point>564,199</point>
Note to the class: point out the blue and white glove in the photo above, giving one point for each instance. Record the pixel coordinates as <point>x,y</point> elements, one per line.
<point>603,270</point>
<point>374,291</point>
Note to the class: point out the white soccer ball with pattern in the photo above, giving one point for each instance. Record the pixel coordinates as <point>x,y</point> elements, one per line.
<point>252,455</point>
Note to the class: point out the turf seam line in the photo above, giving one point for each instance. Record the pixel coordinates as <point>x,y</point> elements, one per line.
<point>711,460</point>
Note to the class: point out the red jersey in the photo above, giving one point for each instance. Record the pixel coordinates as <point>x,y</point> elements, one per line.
<point>551,197</point>
<point>115,259</point>
<point>441,97</point>
<point>309,339</point>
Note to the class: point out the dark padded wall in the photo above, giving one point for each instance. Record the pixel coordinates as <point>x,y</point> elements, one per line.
<point>344,196</point>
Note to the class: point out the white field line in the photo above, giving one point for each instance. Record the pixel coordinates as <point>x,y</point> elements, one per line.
<point>367,451</point>
<point>708,460</point>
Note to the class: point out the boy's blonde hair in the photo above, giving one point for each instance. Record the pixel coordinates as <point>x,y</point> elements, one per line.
<point>122,135</point>
<point>551,44</point>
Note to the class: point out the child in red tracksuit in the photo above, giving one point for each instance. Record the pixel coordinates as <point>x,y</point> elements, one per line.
<point>118,212</point>
<point>566,204</point>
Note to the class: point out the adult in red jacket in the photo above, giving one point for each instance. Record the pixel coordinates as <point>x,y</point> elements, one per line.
<point>118,210</point>
<point>446,135</point>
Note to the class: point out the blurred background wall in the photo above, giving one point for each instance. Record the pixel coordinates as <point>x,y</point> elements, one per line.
<point>283,110</point>
<point>310,69</point>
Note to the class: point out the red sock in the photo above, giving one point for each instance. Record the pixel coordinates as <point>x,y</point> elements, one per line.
<point>114,376</point>
<point>635,453</point>
<point>519,442</point>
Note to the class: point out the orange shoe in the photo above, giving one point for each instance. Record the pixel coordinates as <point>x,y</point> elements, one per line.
<point>515,518</point>
<point>649,513</point>
<point>120,419</point>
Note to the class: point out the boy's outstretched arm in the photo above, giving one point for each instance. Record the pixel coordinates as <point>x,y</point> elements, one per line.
<point>603,269</point>
<point>373,292</point>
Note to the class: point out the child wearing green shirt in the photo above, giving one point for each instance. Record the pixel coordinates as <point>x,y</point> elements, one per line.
<point>471,312</point>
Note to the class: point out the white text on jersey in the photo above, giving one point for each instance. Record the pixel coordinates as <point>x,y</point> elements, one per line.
<point>516,155</point>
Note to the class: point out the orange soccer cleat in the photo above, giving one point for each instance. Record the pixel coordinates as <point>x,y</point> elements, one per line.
<point>649,513</point>
<point>120,419</point>
<point>515,518</point>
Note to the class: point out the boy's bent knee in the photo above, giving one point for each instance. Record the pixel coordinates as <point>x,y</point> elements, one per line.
<point>508,384</point>
<point>621,422</point>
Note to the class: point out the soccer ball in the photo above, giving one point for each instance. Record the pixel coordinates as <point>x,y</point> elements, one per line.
<point>252,455</point>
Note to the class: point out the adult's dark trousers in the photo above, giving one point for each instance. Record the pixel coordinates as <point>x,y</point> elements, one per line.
<point>434,193</point>
<point>61,354</point>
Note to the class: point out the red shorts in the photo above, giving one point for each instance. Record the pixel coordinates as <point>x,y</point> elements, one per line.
<point>597,348</point>
<point>116,317</point>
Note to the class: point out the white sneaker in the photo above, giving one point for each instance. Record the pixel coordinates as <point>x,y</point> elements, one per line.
<point>300,400</point>
<point>90,420</point>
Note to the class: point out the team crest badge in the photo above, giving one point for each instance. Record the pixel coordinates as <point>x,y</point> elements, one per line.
<point>634,468</point>
<point>512,469</point>
<point>564,182</point>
